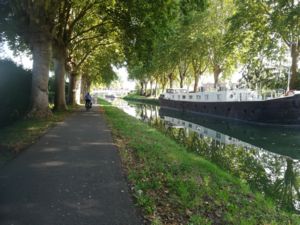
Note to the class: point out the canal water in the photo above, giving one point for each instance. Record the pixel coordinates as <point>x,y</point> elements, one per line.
<point>266,157</point>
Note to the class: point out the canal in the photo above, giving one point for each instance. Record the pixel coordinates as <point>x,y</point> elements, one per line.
<point>267,158</point>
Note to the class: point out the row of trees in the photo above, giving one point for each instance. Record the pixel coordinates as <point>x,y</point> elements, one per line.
<point>75,38</point>
<point>182,40</point>
<point>160,42</point>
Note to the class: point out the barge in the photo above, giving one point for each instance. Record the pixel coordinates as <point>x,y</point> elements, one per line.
<point>244,105</point>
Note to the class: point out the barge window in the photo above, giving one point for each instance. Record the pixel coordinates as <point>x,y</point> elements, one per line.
<point>183,96</point>
<point>198,96</point>
<point>206,97</point>
<point>218,96</point>
<point>191,96</point>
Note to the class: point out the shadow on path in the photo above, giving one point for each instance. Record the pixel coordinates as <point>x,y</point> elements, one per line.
<point>71,176</point>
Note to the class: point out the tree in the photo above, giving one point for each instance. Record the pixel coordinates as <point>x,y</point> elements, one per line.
<point>266,25</point>
<point>144,25</point>
<point>222,57</point>
<point>32,22</point>
<point>195,39</point>
<point>78,21</point>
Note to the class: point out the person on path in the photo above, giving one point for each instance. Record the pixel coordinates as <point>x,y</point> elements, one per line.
<point>88,98</point>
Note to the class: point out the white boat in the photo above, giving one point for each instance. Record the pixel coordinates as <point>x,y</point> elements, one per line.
<point>240,104</point>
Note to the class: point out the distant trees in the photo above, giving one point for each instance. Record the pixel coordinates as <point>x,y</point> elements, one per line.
<point>214,37</point>
<point>191,41</point>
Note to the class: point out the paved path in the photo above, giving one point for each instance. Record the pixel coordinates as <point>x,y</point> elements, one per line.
<point>71,176</point>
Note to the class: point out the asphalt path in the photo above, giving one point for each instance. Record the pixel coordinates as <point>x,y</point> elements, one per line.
<point>71,176</point>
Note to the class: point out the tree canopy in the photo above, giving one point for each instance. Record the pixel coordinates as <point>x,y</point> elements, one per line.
<point>168,43</point>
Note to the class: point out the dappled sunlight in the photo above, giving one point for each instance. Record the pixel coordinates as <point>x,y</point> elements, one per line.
<point>89,114</point>
<point>51,136</point>
<point>33,128</point>
<point>99,143</point>
<point>63,124</point>
<point>51,150</point>
<point>48,164</point>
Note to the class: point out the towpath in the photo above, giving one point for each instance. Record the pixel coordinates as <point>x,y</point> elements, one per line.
<point>71,176</point>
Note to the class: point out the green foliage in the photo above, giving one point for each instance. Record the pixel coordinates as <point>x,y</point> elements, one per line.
<point>268,31</point>
<point>15,88</point>
<point>257,75</point>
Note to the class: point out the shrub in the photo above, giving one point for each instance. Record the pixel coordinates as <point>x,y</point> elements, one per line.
<point>15,88</point>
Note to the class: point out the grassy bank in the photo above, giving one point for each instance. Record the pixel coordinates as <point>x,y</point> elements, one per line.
<point>173,186</point>
<point>22,133</point>
<point>143,99</point>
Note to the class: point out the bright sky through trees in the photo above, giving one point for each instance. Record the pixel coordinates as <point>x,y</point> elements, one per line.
<point>20,59</point>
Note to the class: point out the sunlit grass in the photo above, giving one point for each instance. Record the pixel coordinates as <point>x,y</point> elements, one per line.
<point>17,136</point>
<point>174,185</point>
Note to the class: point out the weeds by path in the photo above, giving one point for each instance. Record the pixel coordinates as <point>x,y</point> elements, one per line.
<point>22,133</point>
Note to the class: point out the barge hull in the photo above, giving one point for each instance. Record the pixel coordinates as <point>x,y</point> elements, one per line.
<point>281,111</point>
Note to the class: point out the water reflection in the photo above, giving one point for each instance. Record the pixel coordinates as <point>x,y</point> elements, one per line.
<point>267,158</point>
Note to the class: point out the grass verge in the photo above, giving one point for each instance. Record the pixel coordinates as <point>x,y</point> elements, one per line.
<point>174,186</point>
<point>22,133</point>
<point>143,99</point>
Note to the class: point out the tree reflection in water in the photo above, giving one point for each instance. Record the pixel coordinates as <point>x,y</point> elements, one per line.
<point>272,174</point>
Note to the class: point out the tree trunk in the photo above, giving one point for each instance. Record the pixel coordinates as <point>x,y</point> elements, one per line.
<point>181,82</point>
<point>294,67</point>
<point>151,87</point>
<point>146,86</point>
<point>74,90</point>
<point>217,72</point>
<point>155,89</point>
<point>182,69</point>
<point>196,82</point>
<point>85,87</point>
<point>170,76</point>
<point>88,86</point>
<point>41,51</point>
<point>164,84</point>
<point>78,89</point>
<point>142,88</point>
<point>59,59</point>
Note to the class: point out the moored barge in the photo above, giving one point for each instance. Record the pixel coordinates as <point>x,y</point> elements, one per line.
<point>244,105</point>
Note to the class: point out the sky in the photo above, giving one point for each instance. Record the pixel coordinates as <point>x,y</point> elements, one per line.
<point>123,78</point>
<point>21,59</point>
<point>122,72</point>
<point>26,62</point>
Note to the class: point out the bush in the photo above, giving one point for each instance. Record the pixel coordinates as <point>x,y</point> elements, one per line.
<point>15,88</point>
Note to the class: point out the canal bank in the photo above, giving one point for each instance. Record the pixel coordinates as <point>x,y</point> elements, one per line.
<point>142,99</point>
<point>174,186</point>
